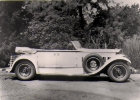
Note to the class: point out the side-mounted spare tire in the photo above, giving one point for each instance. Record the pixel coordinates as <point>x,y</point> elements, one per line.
<point>92,62</point>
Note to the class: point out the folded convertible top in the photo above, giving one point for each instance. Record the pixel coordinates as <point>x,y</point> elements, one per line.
<point>25,50</point>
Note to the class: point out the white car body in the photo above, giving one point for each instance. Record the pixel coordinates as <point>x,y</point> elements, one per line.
<point>69,62</point>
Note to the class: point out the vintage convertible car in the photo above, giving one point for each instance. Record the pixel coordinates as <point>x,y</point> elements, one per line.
<point>80,61</point>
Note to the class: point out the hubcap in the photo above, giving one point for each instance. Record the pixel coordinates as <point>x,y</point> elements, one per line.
<point>93,64</point>
<point>24,70</point>
<point>119,71</point>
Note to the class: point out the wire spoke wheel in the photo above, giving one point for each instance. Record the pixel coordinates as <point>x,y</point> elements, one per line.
<point>25,70</point>
<point>119,72</point>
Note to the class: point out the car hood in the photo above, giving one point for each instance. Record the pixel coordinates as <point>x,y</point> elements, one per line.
<point>100,50</point>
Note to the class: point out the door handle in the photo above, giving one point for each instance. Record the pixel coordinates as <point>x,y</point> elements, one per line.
<point>54,54</point>
<point>58,54</point>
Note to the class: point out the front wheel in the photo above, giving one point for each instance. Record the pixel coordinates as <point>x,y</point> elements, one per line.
<point>25,70</point>
<point>119,72</point>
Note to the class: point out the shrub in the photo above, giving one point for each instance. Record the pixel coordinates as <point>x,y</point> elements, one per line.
<point>131,48</point>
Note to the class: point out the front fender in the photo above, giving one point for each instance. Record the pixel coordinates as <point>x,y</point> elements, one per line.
<point>118,57</point>
<point>29,57</point>
<point>112,59</point>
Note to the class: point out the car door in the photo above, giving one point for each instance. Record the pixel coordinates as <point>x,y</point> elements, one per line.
<point>46,59</point>
<point>66,59</point>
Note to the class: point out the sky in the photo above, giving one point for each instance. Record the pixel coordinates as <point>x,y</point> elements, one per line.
<point>124,1</point>
<point>129,2</point>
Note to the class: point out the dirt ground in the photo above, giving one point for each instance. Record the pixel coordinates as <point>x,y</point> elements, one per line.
<point>54,87</point>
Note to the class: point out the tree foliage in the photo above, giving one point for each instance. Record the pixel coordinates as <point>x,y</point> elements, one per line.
<point>10,26</point>
<point>122,23</point>
<point>53,24</point>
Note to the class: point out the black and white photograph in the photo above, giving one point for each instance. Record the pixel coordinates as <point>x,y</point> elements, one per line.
<point>69,50</point>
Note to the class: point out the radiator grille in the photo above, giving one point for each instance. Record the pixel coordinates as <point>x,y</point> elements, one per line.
<point>12,59</point>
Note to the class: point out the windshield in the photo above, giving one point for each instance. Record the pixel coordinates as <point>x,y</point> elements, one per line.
<point>76,44</point>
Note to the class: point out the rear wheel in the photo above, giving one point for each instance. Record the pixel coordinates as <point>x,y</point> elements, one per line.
<point>119,72</point>
<point>25,70</point>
